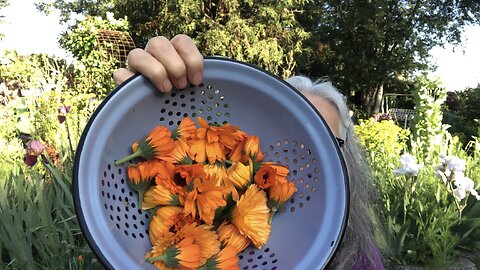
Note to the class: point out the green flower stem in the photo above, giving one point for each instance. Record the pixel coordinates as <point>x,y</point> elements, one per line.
<point>138,153</point>
<point>272,213</point>
<point>162,258</point>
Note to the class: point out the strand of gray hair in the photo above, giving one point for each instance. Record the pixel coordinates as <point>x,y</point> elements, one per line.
<point>358,236</point>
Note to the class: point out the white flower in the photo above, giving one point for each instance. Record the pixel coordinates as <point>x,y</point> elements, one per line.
<point>464,185</point>
<point>409,166</point>
<point>407,159</point>
<point>456,164</point>
<point>464,182</point>
<point>459,194</point>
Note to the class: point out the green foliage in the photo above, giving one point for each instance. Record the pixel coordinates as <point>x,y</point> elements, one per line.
<point>469,113</point>
<point>38,228</point>
<point>382,137</point>
<point>265,33</point>
<point>366,46</point>
<point>424,224</point>
<point>95,65</point>
<point>428,132</point>
<point>29,70</point>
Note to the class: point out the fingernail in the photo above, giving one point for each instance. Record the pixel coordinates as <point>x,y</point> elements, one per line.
<point>182,83</point>
<point>197,78</point>
<point>166,86</point>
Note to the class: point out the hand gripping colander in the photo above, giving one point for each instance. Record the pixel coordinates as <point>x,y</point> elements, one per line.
<point>304,235</point>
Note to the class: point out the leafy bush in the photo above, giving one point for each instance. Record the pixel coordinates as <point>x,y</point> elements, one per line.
<point>95,66</point>
<point>425,220</point>
<point>38,228</point>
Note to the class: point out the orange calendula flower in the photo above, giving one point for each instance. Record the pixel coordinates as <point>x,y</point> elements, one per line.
<point>158,196</point>
<point>204,237</point>
<point>278,195</point>
<point>252,148</point>
<point>166,175</point>
<point>140,177</point>
<point>185,130</point>
<point>218,174</point>
<point>205,198</point>
<point>185,174</point>
<point>281,192</point>
<point>185,254</point>
<point>163,219</point>
<point>157,144</point>
<point>269,174</point>
<point>265,177</point>
<point>212,142</point>
<point>226,259</point>
<point>251,216</point>
<point>240,175</point>
<point>179,154</point>
<point>237,154</point>
<point>229,235</point>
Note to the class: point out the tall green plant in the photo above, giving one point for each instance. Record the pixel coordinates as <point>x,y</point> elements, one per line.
<point>428,132</point>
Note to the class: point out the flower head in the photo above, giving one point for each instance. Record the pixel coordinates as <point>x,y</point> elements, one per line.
<point>161,222</point>
<point>269,174</point>
<point>34,149</point>
<point>157,196</point>
<point>158,144</point>
<point>62,113</point>
<point>185,130</point>
<point>212,142</point>
<point>226,259</point>
<point>204,198</point>
<point>185,254</point>
<point>463,187</point>
<point>203,236</point>
<point>240,175</point>
<point>409,166</point>
<point>251,216</point>
<point>229,235</point>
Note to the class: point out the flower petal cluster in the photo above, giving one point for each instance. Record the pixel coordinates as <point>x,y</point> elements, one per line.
<point>33,150</point>
<point>211,193</point>
<point>409,166</point>
<point>452,171</point>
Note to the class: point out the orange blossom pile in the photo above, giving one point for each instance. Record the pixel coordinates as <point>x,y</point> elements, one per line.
<point>209,190</point>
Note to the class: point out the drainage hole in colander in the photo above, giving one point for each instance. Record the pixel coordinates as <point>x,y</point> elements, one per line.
<point>260,257</point>
<point>250,260</point>
<point>331,244</point>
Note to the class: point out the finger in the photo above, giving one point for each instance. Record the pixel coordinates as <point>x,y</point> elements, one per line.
<point>122,74</point>
<point>191,56</point>
<point>165,53</point>
<point>141,61</point>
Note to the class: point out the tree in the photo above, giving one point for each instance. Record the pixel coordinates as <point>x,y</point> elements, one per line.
<point>264,33</point>
<point>369,45</point>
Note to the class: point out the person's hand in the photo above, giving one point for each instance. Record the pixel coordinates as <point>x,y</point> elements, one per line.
<point>167,63</point>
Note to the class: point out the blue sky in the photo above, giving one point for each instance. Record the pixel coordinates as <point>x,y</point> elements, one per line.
<point>28,31</point>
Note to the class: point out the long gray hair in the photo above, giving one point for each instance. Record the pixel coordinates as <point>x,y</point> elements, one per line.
<point>358,238</point>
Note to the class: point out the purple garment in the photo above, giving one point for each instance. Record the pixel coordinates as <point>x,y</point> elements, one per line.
<point>362,262</point>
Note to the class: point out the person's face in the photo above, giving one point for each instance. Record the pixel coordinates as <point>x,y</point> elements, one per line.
<point>329,113</point>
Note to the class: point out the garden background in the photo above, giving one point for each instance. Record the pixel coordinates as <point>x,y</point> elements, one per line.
<point>375,51</point>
